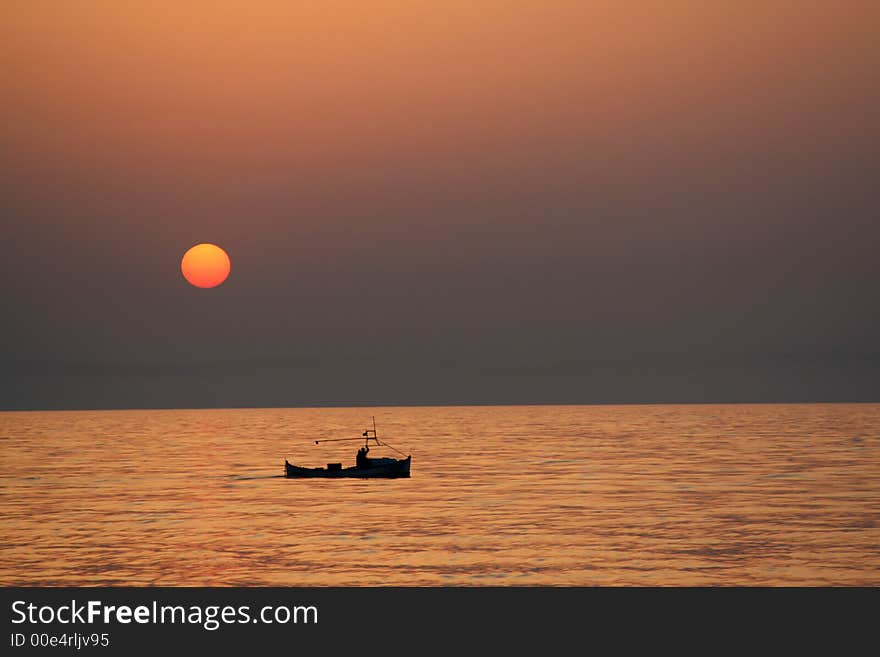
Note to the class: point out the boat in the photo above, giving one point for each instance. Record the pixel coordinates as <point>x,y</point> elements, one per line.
<point>365,468</point>
<point>380,468</point>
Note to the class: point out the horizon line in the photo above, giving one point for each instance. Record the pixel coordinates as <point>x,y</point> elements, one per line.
<point>334,405</point>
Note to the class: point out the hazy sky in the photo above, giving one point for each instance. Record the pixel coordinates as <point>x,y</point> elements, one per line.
<point>439,202</point>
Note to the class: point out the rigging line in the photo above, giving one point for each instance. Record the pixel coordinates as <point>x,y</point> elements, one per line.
<point>394,448</point>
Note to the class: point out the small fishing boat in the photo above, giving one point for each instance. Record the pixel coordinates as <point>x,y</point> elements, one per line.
<point>365,468</point>
<point>382,468</point>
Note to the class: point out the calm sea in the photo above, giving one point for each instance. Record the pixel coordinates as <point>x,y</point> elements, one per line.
<point>566,495</point>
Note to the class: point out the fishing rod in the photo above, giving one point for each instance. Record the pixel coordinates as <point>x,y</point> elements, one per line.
<point>335,440</point>
<point>366,436</point>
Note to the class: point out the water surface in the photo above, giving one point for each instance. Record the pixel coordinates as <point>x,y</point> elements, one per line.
<point>544,495</point>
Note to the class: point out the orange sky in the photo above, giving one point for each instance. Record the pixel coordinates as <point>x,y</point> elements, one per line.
<point>205,89</point>
<point>551,180</point>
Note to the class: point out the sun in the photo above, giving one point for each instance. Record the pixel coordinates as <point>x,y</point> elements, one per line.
<point>205,265</point>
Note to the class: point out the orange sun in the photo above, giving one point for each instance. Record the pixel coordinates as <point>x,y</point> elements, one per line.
<point>205,265</point>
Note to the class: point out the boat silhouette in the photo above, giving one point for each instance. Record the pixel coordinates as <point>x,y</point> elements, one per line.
<point>365,467</point>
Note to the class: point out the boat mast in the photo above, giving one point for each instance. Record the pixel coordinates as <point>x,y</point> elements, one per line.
<point>367,433</point>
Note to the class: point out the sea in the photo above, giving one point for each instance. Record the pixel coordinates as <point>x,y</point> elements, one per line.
<point>638,495</point>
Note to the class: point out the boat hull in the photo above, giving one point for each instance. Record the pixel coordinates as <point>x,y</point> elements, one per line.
<point>395,469</point>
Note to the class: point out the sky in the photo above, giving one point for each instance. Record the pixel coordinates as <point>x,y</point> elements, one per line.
<point>439,202</point>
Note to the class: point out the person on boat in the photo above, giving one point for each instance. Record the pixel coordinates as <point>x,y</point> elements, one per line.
<point>362,460</point>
